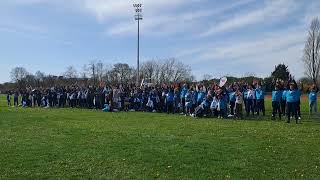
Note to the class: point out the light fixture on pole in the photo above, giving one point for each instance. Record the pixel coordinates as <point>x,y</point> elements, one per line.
<point>138,17</point>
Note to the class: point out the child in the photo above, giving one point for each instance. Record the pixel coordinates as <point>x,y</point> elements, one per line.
<point>9,99</point>
<point>250,101</point>
<point>260,100</point>
<point>284,101</point>
<point>276,98</point>
<point>188,102</point>
<point>16,99</point>
<point>214,106</point>
<point>292,102</point>
<point>238,105</point>
<point>169,101</point>
<point>313,98</point>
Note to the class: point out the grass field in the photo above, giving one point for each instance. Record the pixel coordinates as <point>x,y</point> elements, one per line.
<point>82,144</point>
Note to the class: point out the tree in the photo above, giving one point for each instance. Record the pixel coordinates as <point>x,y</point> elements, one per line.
<point>39,76</point>
<point>71,73</point>
<point>122,73</point>
<point>18,74</point>
<point>99,70</point>
<point>311,57</point>
<point>281,71</point>
<point>207,77</point>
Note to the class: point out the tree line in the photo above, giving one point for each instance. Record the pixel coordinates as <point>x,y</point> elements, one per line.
<point>96,72</point>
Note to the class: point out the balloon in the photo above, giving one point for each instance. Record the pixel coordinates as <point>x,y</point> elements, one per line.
<point>223,81</point>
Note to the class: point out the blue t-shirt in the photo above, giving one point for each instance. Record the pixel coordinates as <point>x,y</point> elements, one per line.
<point>259,94</point>
<point>284,95</point>
<point>245,94</point>
<point>200,97</point>
<point>313,96</point>
<point>170,97</point>
<point>184,92</point>
<point>292,96</point>
<point>232,97</point>
<point>276,95</point>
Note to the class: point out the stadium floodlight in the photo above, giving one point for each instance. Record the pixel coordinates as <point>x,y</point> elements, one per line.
<point>138,17</point>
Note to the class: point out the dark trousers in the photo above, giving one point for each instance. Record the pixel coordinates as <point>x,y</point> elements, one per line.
<point>276,109</point>
<point>15,102</point>
<point>260,106</point>
<point>283,106</point>
<point>238,112</point>
<point>232,105</point>
<point>183,103</point>
<point>292,109</point>
<point>169,108</point>
<point>250,107</point>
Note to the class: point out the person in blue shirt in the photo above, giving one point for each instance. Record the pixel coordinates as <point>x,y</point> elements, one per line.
<point>313,96</point>
<point>283,101</point>
<point>183,93</point>
<point>260,100</point>
<point>201,96</point>
<point>177,100</point>
<point>292,101</point>
<point>276,98</point>
<point>169,101</point>
<point>188,103</point>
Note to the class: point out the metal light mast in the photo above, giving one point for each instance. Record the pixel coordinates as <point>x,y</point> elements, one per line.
<point>138,17</point>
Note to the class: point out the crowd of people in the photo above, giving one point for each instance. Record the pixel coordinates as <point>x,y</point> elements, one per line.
<point>193,100</point>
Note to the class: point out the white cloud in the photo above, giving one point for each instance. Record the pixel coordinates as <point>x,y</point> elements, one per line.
<point>158,22</point>
<point>259,53</point>
<point>273,10</point>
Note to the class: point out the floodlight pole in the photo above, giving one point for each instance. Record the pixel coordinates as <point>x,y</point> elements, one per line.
<point>138,17</point>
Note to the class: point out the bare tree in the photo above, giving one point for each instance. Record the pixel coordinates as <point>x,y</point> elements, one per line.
<point>99,70</point>
<point>122,73</point>
<point>39,78</point>
<point>71,73</point>
<point>84,72</point>
<point>311,57</point>
<point>207,77</point>
<point>149,70</point>
<point>18,74</point>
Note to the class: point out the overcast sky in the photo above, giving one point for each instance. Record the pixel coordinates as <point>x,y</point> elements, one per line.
<point>216,37</point>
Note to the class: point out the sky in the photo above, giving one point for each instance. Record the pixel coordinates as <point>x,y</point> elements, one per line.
<point>216,37</point>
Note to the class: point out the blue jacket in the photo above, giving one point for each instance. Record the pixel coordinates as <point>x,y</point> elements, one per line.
<point>312,96</point>
<point>276,95</point>
<point>259,94</point>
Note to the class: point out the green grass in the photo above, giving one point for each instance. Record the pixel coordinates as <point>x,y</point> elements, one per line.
<point>76,144</point>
